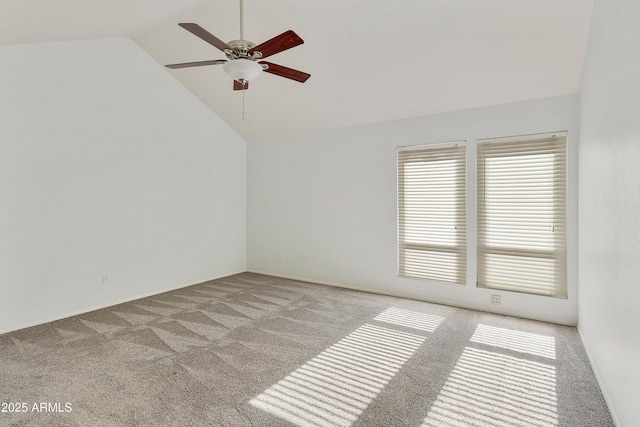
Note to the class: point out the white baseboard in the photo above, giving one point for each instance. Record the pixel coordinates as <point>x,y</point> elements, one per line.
<point>402,295</point>
<point>110,304</point>
<point>594,367</point>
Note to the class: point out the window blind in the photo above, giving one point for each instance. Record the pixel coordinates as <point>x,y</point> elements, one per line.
<point>432,213</point>
<point>522,215</point>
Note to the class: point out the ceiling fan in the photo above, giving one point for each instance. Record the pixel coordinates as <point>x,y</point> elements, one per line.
<point>243,57</point>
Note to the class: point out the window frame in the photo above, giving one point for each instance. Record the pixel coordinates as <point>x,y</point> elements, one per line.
<point>557,254</point>
<point>456,151</point>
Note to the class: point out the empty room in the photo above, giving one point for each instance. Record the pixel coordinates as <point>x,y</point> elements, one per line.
<point>320,213</point>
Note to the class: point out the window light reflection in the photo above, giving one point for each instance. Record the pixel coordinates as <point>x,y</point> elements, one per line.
<point>412,319</point>
<point>496,390</point>
<point>523,342</point>
<point>333,388</point>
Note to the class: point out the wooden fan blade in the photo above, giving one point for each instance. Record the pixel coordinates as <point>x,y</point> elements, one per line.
<point>286,72</point>
<point>205,35</point>
<point>196,64</point>
<point>238,86</point>
<point>284,41</point>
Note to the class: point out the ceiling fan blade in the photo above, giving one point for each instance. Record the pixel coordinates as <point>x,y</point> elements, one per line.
<point>205,35</point>
<point>284,41</point>
<point>238,86</point>
<point>196,64</point>
<point>286,72</point>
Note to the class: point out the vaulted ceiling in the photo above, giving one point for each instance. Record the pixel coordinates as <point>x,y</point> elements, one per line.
<point>369,60</point>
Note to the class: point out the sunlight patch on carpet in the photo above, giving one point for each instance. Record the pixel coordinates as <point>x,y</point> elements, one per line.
<point>523,342</point>
<point>336,386</point>
<point>411,319</point>
<point>496,390</point>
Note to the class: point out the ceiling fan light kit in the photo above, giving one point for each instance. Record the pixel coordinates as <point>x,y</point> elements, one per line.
<point>242,70</point>
<point>242,63</point>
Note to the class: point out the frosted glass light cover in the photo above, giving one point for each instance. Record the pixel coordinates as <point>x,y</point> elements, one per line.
<point>242,69</point>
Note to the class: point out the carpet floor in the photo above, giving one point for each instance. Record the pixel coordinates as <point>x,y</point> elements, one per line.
<point>255,350</point>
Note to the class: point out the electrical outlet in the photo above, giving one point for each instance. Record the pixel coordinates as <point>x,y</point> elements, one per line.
<point>281,256</point>
<point>496,299</point>
<point>105,279</point>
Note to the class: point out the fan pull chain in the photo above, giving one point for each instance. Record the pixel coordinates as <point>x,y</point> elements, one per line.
<point>243,101</point>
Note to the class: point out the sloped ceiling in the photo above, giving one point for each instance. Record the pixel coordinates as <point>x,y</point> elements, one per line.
<point>369,60</point>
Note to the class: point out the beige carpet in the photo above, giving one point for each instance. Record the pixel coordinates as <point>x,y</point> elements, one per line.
<point>254,350</point>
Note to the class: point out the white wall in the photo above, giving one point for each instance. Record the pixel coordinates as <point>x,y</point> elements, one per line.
<point>609,314</point>
<point>109,165</point>
<point>327,201</point>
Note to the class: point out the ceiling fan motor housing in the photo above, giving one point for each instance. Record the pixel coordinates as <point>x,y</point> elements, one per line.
<point>241,48</point>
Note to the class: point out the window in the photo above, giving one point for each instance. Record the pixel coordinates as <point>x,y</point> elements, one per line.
<point>432,213</point>
<point>522,215</point>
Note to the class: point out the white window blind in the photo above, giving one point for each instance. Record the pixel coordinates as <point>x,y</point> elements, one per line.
<point>522,215</point>
<point>432,213</point>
